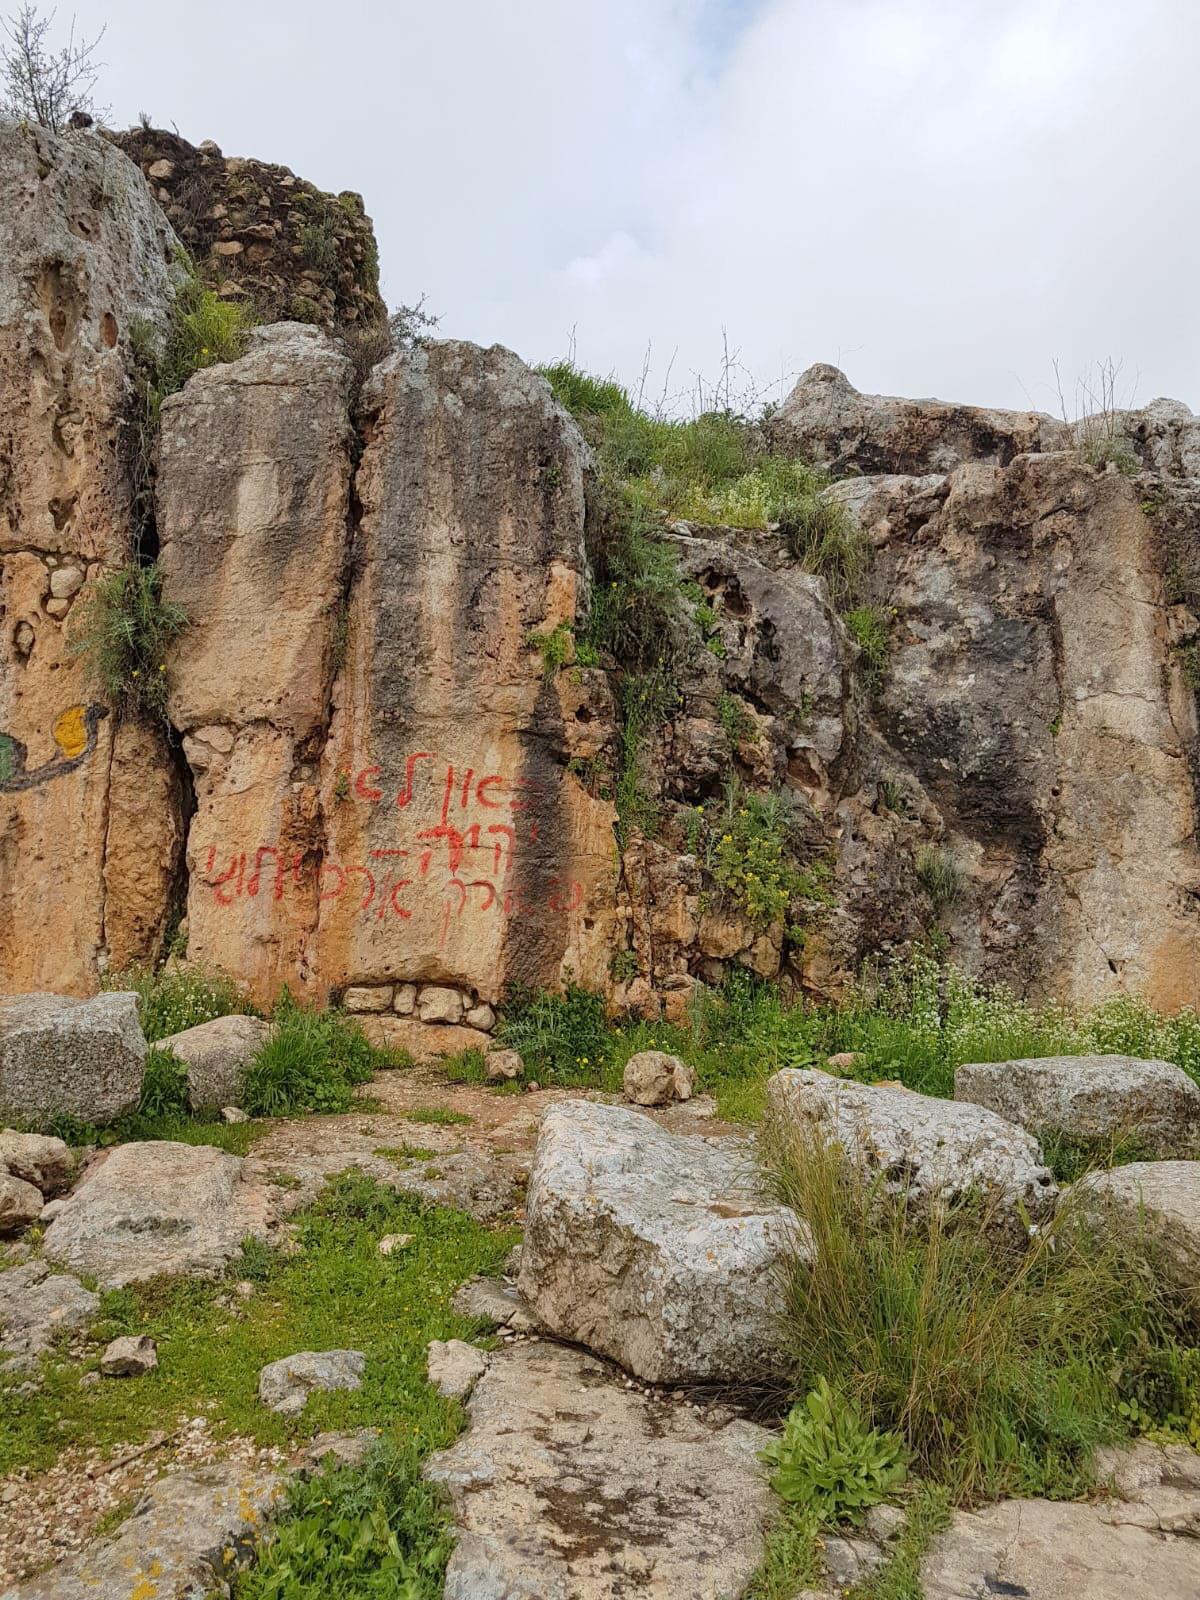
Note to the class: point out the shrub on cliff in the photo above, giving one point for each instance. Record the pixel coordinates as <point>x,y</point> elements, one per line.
<point>124,627</point>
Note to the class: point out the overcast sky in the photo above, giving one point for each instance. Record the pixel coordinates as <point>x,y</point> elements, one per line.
<point>940,196</point>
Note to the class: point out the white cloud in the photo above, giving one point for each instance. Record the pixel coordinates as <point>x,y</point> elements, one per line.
<point>940,195</point>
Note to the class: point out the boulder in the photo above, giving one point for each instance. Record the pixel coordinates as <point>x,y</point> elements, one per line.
<point>454,1367</point>
<point>570,1486</point>
<point>504,1066</point>
<point>654,1078</point>
<point>20,1204</point>
<point>1153,1104</point>
<point>657,1249</point>
<point>158,1208</point>
<point>922,1147</point>
<point>285,1385</point>
<point>187,1534</point>
<point>1139,1545</point>
<point>131,1356</point>
<point>36,1305</point>
<point>84,1058</point>
<point>216,1055</point>
<point>1162,1197</point>
<point>46,1163</point>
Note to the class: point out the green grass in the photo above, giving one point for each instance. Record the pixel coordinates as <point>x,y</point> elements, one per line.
<point>438,1117</point>
<point>868,626</point>
<point>174,998</point>
<point>1001,1363</point>
<point>338,1292</point>
<point>311,1061</point>
<point>791,1559</point>
<point>927,1515</point>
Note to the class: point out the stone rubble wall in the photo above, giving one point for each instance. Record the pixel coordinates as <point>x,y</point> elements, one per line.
<point>262,235</point>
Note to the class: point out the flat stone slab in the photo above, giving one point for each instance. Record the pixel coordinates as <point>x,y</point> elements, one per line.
<point>1091,1098</point>
<point>1142,1547</point>
<point>1164,1198</point>
<point>187,1535</point>
<point>216,1055</point>
<point>36,1305</point>
<point>660,1250</point>
<point>569,1486</point>
<point>920,1146</point>
<point>158,1208</point>
<point>58,1054</point>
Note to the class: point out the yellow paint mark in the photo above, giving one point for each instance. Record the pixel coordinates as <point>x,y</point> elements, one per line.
<point>70,732</point>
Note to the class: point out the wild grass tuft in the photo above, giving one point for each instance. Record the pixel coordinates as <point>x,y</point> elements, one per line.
<point>1000,1365</point>
<point>124,628</point>
<point>311,1062</point>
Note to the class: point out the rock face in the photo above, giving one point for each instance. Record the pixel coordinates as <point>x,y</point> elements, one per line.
<point>654,1248</point>
<point>216,1055</point>
<point>827,421</point>
<point>923,1148</point>
<point>1163,1197</point>
<point>569,1487</point>
<point>155,1209</point>
<point>1154,1104</point>
<point>189,1531</point>
<point>1142,1544</point>
<point>82,1057</point>
<point>20,1204</point>
<point>261,234</point>
<point>77,276</point>
<point>455,1367</point>
<point>285,1385</point>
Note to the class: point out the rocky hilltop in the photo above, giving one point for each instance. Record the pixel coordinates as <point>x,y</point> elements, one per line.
<point>380,778</point>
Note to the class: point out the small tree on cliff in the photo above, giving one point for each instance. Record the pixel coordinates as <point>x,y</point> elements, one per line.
<point>44,83</point>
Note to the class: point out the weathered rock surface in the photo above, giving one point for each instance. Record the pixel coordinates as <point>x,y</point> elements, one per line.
<point>130,1356</point>
<point>657,1249</point>
<point>454,1367</point>
<point>45,1162</point>
<point>922,1147</point>
<point>189,1532</point>
<point>286,1385</point>
<point>158,1208</point>
<point>655,1078</point>
<point>82,1057</point>
<point>1139,1547</point>
<point>84,257</point>
<point>504,1066</point>
<point>20,1204</point>
<point>1163,1197</point>
<point>1153,1103</point>
<point>567,1486</point>
<point>496,1301</point>
<point>826,420</point>
<point>216,1055</point>
<point>36,1305</point>
<point>266,236</point>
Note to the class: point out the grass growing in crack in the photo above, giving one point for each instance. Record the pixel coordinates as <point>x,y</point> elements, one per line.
<point>1001,1364</point>
<point>928,1514</point>
<point>791,1559</point>
<point>438,1117</point>
<point>338,1292</point>
<point>123,628</point>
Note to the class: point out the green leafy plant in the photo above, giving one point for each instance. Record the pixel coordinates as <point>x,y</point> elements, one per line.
<point>827,1460</point>
<point>895,797</point>
<point>736,720</point>
<point>939,875</point>
<point>164,1085</point>
<point>556,647</point>
<point>750,847</point>
<point>203,330</point>
<point>824,538</point>
<point>123,628</point>
<point>559,1036</point>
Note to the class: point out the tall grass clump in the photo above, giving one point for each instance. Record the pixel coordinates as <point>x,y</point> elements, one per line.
<point>1000,1362</point>
<point>312,1061</point>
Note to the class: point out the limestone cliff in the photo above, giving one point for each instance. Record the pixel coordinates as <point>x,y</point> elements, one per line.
<point>393,791</point>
